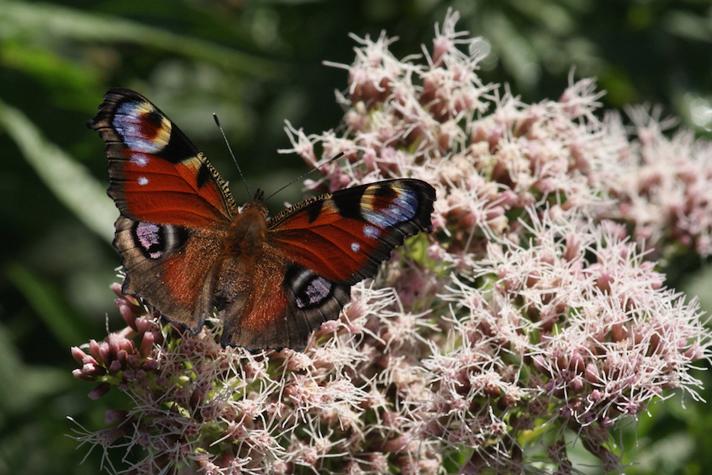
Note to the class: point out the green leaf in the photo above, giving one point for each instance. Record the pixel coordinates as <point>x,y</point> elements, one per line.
<point>667,455</point>
<point>49,305</point>
<point>700,285</point>
<point>72,84</point>
<point>24,19</point>
<point>554,18</point>
<point>455,459</point>
<point>518,56</point>
<point>69,181</point>
<point>689,26</point>
<point>24,384</point>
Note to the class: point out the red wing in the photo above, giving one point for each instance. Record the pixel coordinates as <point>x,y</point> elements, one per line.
<point>344,236</point>
<point>276,303</point>
<point>171,267</point>
<point>155,173</point>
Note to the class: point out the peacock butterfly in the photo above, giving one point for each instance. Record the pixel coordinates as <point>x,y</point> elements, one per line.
<point>188,250</point>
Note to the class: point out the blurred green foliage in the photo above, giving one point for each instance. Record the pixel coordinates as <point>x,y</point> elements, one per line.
<point>257,63</point>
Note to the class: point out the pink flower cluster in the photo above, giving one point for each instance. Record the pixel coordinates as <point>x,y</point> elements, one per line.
<point>661,185</point>
<point>525,314</point>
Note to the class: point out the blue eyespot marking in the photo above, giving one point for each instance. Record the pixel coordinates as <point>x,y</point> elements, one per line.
<point>151,239</point>
<point>154,240</point>
<point>127,122</point>
<point>355,246</point>
<point>403,208</point>
<point>315,292</point>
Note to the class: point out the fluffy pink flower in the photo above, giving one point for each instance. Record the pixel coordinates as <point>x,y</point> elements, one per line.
<point>662,185</point>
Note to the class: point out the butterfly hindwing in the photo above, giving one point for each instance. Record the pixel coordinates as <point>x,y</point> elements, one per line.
<point>345,235</point>
<point>170,266</point>
<point>278,304</point>
<point>312,300</point>
<point>155,173</point>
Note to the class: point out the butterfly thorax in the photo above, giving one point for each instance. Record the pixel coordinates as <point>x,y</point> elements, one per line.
<point>248,230</point>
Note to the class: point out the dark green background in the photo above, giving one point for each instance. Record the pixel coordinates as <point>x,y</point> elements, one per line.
<point>258,63</point>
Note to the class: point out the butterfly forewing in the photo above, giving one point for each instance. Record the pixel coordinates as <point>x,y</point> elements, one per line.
<point>345,236</point>
<point>155,173</point>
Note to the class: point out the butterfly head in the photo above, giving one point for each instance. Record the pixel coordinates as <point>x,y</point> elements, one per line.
<point>256,206</point>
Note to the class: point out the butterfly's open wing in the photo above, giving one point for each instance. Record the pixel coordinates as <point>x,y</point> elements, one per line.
<point>155,173</point>
<point>277,304</point>
<point>345,236</point>
<point>321,247</point>
<point>174,207</point>
<point>172,267</point>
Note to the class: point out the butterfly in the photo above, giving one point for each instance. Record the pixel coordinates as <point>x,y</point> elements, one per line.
<point>188,250</point>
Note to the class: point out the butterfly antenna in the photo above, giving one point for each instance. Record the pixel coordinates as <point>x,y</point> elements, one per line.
<point>229,149</point>
<point>304,175</point>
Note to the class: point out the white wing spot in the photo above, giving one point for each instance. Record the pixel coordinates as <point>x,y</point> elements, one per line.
<point>139,160</point>
<point>355,246</point>
<point>142,180</point>
<point>371,231</point>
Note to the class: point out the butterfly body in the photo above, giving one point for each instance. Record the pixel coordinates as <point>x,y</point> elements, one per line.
<point>188,250</point>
